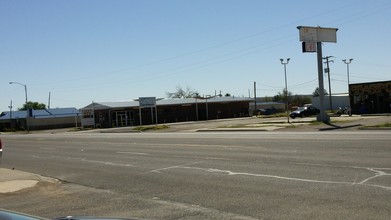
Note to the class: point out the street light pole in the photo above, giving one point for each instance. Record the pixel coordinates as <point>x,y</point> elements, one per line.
<point>286,86</point>
<point>347,62</point>
<point>25,88</point>
<point>27,111</point>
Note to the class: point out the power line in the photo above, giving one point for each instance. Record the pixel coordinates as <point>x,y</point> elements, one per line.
<point>223,57</point>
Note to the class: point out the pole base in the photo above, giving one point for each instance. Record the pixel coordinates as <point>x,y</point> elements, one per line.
<point>323,117</point>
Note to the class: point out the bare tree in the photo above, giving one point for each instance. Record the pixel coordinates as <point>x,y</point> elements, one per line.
<point>181,93</point>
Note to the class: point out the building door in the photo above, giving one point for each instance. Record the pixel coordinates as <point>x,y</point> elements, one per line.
<point>121,119</point>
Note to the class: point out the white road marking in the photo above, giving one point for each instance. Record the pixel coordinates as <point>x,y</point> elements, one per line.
<point>92,161</point>
<point>378,173</point>
<point>167,168</point>
<point>173,156</point>
<point>192,145</point>
<point>101,162</point>
<point>205,158</point>
<point>211,170</point>
<point>128,152</point>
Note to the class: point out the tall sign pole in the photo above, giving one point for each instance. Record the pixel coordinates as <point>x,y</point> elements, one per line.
<point>316,35</point>
<point>322,115</point>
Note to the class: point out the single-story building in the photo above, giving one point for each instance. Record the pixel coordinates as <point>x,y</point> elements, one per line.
<point>370,97</point>
<point>340,100</point>
<point>40,119</point>
<point>129,113</point>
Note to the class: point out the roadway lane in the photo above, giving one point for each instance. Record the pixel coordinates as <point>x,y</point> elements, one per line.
<point>323,175</point>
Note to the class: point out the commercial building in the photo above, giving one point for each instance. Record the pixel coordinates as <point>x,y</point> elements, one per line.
<point>129,113</point>
<point>371,97</point>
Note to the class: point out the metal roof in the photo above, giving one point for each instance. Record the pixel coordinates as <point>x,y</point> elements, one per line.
<point>163,102</point>
<point>43,113</point>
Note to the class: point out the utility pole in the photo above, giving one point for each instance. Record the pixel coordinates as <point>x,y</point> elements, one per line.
<point>327,70</point>
<point>49,101</point>
<point>10,114</point>
<point>255,97</point>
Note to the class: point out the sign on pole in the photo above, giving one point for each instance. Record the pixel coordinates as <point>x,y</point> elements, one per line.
<point>147,102</point>
<point>309,47</point>
<point>318,34</point>
<point>309,36</point>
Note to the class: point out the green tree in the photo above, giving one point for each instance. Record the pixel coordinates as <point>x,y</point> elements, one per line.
<point>293,100</point>
<point>316,92</point>
<point>281,96</point>
<point>300,100</point>
<point>33,105</point>
<point>267,99</point>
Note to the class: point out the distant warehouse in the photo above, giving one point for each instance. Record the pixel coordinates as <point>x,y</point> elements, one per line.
<point>39,119</point>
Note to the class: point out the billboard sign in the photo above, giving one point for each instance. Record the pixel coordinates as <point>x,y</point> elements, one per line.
<point>318,34</point>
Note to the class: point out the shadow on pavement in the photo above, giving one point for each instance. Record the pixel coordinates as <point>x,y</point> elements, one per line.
<point>335,127</point>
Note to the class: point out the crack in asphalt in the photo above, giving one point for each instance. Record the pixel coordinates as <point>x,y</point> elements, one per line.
<point>378,173</point>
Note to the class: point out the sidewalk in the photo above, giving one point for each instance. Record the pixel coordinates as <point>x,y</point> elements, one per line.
<point>14,180</point>
<point>254,124</point>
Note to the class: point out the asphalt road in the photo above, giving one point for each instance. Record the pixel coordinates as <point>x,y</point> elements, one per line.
<point>238,175</point>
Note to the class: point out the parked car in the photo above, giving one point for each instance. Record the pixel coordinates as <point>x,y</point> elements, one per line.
<point>304,112</point>
<point>267,111</point>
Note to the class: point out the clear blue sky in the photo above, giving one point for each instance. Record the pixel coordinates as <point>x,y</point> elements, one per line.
<point>114,50</point>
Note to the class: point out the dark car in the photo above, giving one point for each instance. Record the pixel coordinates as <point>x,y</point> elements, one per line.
<point>304,112</point>
<point>267,111</point>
